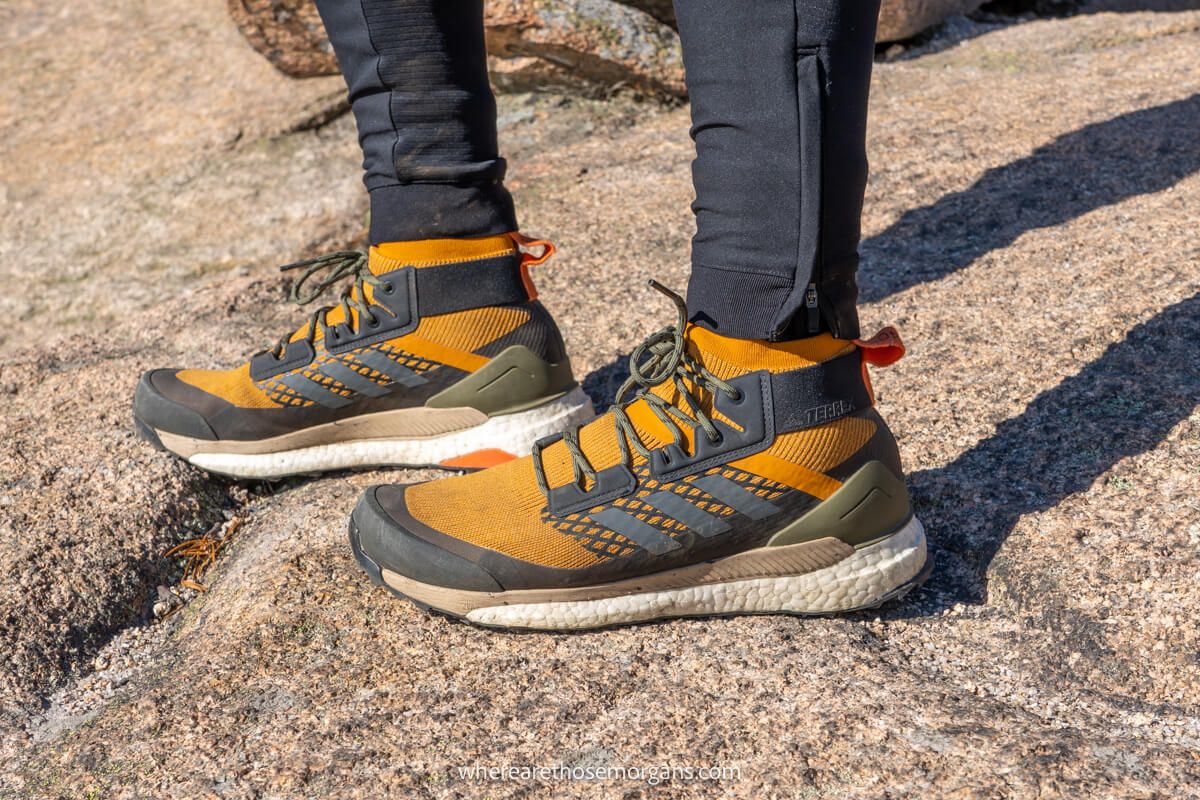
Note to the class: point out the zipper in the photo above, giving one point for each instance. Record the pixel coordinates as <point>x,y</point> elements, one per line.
<point>812,313</point>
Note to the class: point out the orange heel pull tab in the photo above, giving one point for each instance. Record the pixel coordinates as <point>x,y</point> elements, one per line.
<point>883,349</point>
<point>479,459</point>
<point>529,260</point>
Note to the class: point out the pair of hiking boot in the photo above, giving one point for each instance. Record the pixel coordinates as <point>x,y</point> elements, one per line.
<point>730,476</point>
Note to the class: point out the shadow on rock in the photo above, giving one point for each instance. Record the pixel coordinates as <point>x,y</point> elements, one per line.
<point>1104,163</point>
<point>602,384</point>
<point>1120,405</point>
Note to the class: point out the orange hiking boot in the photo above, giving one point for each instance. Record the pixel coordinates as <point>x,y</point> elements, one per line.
<point>437,354</point>
<point>730,477</point>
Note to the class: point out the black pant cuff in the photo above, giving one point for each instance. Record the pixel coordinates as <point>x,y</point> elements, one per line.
<point>742,305</point>
<point>754,305</point>
<point>408,212</point>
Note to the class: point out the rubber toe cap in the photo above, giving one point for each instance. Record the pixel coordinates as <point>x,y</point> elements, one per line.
<point>154,411</point>
<point>385,535</point>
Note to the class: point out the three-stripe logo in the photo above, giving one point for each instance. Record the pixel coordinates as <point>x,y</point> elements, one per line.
<point>359,384</point>
<point>677,507</point>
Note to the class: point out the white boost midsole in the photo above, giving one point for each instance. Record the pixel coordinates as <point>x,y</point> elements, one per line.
<point>862,579</point>
<point>512,433</point>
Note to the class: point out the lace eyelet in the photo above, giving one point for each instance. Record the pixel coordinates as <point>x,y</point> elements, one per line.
<point>716,440</point>
<point>387,289</point>
<point>737,396</point>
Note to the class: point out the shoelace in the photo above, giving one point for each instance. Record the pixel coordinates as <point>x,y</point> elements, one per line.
<point>339,265</point>
<point>667,359</point>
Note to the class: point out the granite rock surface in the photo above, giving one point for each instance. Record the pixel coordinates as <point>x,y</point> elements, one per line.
<point>1031,227</point>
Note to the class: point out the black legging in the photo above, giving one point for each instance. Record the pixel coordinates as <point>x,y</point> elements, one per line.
<point>778,93</point>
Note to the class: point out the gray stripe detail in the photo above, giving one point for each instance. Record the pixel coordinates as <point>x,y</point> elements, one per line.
<point>311,390</point>
<point>737,498</point>
<point>649,538</point>
<point>354,380</point>
<point>675,506</point>
<point>397,372</point>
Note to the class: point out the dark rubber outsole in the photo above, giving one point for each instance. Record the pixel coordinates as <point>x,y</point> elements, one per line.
<point>376,575</point>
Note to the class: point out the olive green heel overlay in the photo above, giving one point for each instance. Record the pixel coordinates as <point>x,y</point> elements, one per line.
<point>514,380</point>
<point>871,504</point>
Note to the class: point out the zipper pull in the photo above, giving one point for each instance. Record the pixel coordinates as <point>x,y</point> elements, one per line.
<point>810,304</point>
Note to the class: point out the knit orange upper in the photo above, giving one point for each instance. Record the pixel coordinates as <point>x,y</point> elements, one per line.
<point>450,339</point>
<point>502,508</point>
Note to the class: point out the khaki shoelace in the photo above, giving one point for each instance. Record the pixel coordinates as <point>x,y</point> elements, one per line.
<point>337,266</point>
<point>660,358</point>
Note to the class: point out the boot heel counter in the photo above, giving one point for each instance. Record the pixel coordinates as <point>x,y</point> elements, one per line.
<point>882,446</point>
<point>514,380</point>
<point>527,367</point>
<point>546,342</point>
<point>549,339</point>
<point>872,502</point>
<point>870,505</point>
<point>538,333</point>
